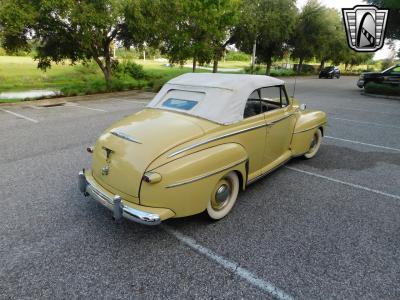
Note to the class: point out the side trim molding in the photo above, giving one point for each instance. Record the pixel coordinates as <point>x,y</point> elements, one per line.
<point>323,124</point>
<point>197,178</point>
<point>125,136</point>
<point>280,119</point>
<point>216,139</point>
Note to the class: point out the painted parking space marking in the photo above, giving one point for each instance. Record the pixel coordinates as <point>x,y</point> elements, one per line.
<point>19,116</point>
<point>135,101</point>
<point>70,104</point>
<point>361,143</point>
<point>397,197</point>
<point>364,122</point>
<point>366,110</point>
<point>34,107</point>
<point>229,265</point>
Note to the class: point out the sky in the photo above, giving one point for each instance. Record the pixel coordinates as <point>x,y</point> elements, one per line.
<point>385,52</point>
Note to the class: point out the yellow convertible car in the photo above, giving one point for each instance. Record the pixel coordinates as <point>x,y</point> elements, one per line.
<point>200,140</point>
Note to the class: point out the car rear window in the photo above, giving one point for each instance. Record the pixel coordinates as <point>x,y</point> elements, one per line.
<point>182,104</point>
<point>181,100</point>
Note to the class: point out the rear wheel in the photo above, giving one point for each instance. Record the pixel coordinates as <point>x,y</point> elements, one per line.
<point>223,196</point>
<point>315,144</point>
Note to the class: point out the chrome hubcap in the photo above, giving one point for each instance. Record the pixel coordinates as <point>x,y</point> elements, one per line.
<point>222,193</point>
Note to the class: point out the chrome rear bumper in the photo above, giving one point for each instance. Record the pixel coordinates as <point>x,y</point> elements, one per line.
<point>115,204</point>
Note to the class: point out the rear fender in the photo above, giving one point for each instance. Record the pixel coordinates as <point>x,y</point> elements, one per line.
<point>188,182</point>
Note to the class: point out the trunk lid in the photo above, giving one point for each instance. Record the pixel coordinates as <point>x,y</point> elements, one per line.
<point>123,153</point>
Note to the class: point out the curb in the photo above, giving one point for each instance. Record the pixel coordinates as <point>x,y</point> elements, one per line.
<point>380,96</point>
<point>143,95</point>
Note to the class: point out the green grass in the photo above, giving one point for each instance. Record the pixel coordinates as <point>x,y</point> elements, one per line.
<point>9,100</point>
<point>20,73</point>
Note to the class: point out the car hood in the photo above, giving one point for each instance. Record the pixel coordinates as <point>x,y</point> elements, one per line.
<point>372,74</point>
<point>125,150</point>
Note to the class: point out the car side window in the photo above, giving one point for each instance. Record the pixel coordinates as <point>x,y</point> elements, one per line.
<point>395,71</point>
<point>253,105</point>
<point>273,97</point>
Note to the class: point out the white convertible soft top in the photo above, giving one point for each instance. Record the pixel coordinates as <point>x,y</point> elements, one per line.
<point>220,98</point>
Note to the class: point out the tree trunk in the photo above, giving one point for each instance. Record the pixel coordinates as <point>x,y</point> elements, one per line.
<point>215,66</point>
<point>300,66</point>
<point>269,64</point>
<point>108,71</point>
<point>321,66</point>
<point>194,64</point>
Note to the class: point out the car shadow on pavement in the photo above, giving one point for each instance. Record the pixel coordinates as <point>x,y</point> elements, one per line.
<point>335,157</point>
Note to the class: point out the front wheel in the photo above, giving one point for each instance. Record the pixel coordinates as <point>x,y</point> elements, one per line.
<point>223,196</point>
<point>315,145</point>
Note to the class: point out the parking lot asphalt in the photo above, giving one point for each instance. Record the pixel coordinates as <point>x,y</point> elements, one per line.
<point>326,228</point>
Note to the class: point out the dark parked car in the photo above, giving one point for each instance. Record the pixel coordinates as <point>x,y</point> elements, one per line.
<point>329,72</point>
<point>391,76</point>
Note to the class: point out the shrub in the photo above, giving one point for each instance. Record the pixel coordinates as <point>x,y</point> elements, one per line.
<point>250,70</point>
<point>127,54</point>
<point>87,68</point>
<point>2,52</point>
<point>132,69</point>
<point>382,89</point>
<point>283,72</point>
<point>237,56</point>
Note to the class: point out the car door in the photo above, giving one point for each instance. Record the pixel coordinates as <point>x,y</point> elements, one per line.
<point>253,137</point>
<point>393,76</point>
<point>280,119</point>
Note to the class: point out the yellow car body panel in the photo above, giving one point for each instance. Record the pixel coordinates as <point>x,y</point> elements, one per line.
<point>164,213</point>
<point>190,154</point>
<point>188,182</point>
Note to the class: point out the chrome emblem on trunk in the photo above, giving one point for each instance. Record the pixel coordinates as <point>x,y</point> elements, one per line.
<point>105,170</point>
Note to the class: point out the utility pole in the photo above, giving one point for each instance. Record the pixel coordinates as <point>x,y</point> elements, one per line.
<point>253,57</point>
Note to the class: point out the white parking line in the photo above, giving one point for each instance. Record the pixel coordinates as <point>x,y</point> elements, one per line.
<point>366,123</point>
<point>134,101</point>
<point>366,110</point>
<point>345,183</point>
<point>229,265</point>
<point>70,104</point>
<point>34,107</point>
<point>361,143</point>
<point>19,115</point>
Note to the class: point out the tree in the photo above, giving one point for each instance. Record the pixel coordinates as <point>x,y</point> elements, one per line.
<point>267,24</point>
<point>199,29</point>
<point>334,47</point>
<point>353,58</point>
<point>313,30</point>
<point>69,29</point>
<point>393,21</point>
<point>225,19</point>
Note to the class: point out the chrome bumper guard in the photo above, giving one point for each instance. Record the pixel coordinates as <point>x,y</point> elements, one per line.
<point>115,204</point>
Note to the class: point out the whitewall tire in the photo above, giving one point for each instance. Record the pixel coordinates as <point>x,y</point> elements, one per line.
<point>315,145</point>
<point>223,196</point>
